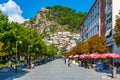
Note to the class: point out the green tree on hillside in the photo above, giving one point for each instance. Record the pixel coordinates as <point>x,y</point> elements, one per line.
<point>66,16</point>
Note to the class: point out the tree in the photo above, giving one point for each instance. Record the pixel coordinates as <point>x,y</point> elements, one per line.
<point>52,50</point>
<point>12,32</point>
<point>66,16</point>
<point>97,44</point>
<point>73,51</point>
<point>2,53</point>
<point>82,47</point>
<point>6,33</point>
<point>117,29</point>
<point>65,54</point>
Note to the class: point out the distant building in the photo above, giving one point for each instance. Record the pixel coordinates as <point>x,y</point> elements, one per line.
<point>62,40</point>
<point>77,41</point>
<point>101,20</point>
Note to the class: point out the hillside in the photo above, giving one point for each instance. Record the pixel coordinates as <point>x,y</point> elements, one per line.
<point>54,19</point>
<point>57,25</point>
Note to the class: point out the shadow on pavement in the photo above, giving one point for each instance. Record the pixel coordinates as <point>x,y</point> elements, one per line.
<point>110,73</point>
<point>10,74</point>
<point>105,71</point>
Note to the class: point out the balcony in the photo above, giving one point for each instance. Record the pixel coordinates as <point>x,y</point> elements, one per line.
<point>109,40</point>
<point>109,25</point>
<point>108,9</point>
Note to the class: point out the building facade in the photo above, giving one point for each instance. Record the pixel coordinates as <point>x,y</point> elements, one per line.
<point>101,20</point>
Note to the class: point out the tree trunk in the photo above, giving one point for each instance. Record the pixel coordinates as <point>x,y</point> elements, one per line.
<point>18,54</point>
<point>10,50</point>
<point>1,58</point>
<point>10,55</point>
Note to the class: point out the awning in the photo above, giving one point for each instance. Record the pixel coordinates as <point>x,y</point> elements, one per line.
<point>108,32</point>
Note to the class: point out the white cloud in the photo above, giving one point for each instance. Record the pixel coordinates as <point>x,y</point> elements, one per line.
<point>13,11</point>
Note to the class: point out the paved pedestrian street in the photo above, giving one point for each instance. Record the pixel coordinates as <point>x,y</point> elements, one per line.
<point>58,70</point>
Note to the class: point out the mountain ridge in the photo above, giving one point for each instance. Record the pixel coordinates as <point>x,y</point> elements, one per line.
<point>57,18</point>
<point>61,22</point>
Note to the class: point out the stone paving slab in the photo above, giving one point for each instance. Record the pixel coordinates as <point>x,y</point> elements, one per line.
<point>57,70</point>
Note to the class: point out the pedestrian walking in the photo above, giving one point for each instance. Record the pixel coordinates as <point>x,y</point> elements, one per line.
<point>79,62</point>
<point>65,60</point>
<point>69,62</point>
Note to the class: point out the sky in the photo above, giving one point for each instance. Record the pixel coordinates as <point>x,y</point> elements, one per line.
<point>22,10</point>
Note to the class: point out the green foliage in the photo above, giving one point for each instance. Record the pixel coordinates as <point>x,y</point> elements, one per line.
<point>3,61</point>
<point>105,60</point>
<point>65,54</point>
<point>76,60</point>
<point>2,52</point>
<point>52,50</point>
<point>117,29</point>
<point>73,51</point>
<point>66,16</point>
<point>82,47</point>
<point>94,44</point>
<point>70,37</point>
<point>97,44</point>
<point>10,33</point>
<point>117,39</point>
<point>53,29</point>
<point>117,24</point>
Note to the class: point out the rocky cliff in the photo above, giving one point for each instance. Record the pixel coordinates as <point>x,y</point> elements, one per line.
<point>43,24</point>
<point>54,20</point>
<point>57,18</point>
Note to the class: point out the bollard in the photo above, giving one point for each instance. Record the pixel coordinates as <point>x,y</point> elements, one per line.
<point>114,75</point>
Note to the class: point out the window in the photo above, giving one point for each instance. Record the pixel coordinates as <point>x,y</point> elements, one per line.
<point>97,28</point>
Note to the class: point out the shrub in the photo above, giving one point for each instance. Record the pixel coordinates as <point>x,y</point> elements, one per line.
<point>76,60</point>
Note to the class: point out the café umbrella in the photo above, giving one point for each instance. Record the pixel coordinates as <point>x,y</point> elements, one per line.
<point>76,56</point>
<point>112,55</point>
<point>70,56</point>
<point>88,56</point>
<point>96,55</point>
<point>82,56</point>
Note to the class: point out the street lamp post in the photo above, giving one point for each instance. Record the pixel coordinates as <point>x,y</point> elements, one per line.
<point>114,75</point>
<point>29,57</point>
<point>37,49</point>
<point>16,58</point>
<point>17,54</point>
